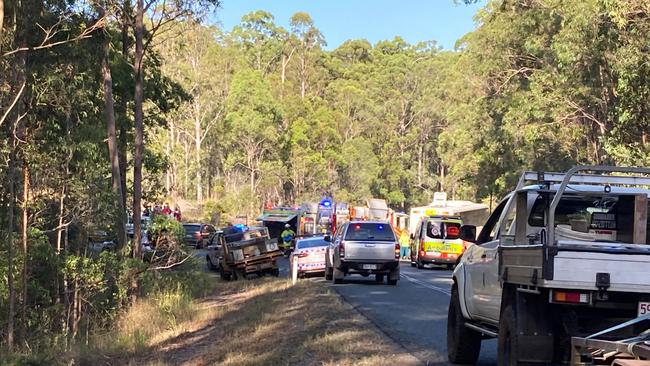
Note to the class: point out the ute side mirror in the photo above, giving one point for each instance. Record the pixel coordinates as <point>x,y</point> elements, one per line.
<point>327,238</point>
<point>468,233</point>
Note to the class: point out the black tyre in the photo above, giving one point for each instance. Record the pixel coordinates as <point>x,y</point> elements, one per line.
<point>463,344</point>
<point>450,266</point>
<point>224,276</point>
<point>419,265</point>
<point>337,276</point>
<point>412,264</point>
<point>211,265</point>
<point>379,278</point>
<point>508,345</point>
<point>392,282</point>
<point>328,269</point>
<point>275,272</point>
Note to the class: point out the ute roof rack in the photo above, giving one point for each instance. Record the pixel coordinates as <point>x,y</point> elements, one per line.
<point>573,178</point>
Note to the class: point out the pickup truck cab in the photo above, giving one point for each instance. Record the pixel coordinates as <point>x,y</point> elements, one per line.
<point>365,248</point>
<point>565,257</point>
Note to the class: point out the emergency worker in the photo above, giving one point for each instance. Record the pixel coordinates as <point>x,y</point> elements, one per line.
<point>287,237</point>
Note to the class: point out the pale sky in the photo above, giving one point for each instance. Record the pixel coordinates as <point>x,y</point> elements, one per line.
<point>339,20</point>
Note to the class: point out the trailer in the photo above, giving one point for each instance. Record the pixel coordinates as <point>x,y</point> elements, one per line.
<point>247,252</point>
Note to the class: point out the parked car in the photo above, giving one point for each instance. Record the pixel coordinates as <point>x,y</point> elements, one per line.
<point>197,234</point>
<point>213,256</point>
<point>437,241</point>
<point>365,248</point>
<point>309,255</point>
<point>145,222</point>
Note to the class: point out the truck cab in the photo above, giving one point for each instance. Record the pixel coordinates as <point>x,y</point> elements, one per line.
<point>565,257</point>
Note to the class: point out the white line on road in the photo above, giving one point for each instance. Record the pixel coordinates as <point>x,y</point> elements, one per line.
<point>427,285</point>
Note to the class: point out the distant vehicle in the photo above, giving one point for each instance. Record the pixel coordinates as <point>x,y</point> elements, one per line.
<point>437,241</point>
<point>309,255</point>
<point>471,213</point>
<point>250,251</point>
<point>197,234</point>
<point>365,248</point>
<point>213,255</point>
<point>145,222</point>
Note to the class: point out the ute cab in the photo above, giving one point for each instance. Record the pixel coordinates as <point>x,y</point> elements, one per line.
<point>436,240</point>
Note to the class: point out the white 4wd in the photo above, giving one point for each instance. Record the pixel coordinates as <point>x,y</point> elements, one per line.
<point>565,257</point>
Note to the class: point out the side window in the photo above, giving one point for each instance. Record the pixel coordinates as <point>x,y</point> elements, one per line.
<point>490,229</point>
<point>509,220</point>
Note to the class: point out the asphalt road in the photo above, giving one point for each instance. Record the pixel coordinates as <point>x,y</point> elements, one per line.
<point>413,313</point>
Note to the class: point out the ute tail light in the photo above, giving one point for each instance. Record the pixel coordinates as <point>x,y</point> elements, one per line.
<point>422,253</point>
<point>197,234</point>
<point>397,251</point>
<point>303,254</point>
<point>570,297</point>
<point>342,250</point>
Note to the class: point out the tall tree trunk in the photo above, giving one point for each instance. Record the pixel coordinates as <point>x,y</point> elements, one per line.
<point>197,157</point>
<point>24,237</point>
<point>303,77</point>
<point>123,146</point>
<point>10,244</point>
<point>2,18</point>
<point>109,109</point>
<point>20,65</point>
<point>139,126</point>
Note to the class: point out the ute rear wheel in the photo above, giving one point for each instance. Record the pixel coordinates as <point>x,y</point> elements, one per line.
<point>337,276</point>
<point>379,278</point>
<point>463,344</point>
<point>508,344</point>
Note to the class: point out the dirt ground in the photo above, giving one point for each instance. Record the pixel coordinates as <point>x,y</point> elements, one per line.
<point>270,322</point>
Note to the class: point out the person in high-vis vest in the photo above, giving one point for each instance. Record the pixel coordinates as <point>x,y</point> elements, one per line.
<point>404,244</point>
<point>287,237</point>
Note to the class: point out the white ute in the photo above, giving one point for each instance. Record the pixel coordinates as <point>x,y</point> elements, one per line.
<point>564,257</point>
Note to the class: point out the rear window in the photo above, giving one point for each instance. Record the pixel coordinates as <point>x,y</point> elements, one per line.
<point>443,230</point>
<point>192,228</point>
<point>312,243</point>
<point>591,212</point>
<point>368,231</point>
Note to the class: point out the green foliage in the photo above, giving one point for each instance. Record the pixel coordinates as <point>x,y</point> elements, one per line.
<point>168,226</point>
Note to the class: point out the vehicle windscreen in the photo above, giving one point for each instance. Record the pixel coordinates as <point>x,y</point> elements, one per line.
<point>370,231</point>
<point>192,228</point>
<point>443,230</point>
<point>312,243</point>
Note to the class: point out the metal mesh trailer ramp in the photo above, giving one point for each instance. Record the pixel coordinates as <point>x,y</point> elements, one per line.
<point>599,349</point>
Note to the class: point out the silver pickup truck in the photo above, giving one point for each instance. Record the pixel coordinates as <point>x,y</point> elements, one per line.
<point>365,248</point>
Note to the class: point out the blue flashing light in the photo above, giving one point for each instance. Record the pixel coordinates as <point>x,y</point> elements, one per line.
<point>326,203</point>
<point>380,227</point>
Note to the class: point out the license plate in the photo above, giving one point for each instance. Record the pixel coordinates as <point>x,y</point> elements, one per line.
<point>644,308</point>
<point>369,266</point>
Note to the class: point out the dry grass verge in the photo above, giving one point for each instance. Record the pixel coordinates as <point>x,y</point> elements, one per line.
<point>258,322</point>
